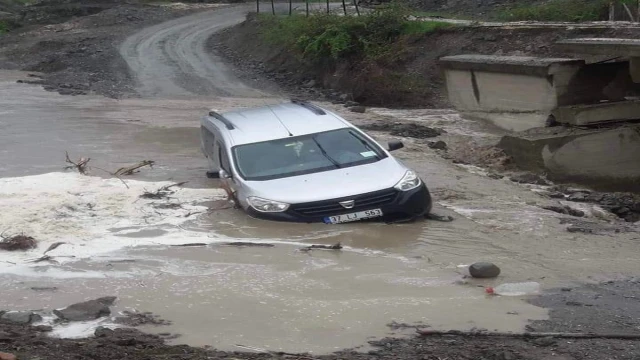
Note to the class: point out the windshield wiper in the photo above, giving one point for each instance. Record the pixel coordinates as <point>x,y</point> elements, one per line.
<point>366,144</point>
<point>325,153</point>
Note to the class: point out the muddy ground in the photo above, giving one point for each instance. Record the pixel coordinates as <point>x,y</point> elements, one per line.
<point>75,44</point>
<point>606,308</point>
<point>418,57</point>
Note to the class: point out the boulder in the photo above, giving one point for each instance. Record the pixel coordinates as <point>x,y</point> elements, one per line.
<point>484,270</point>
<point>529,178</point>
<point>88,310</point>
<point>19,317</point>
<point>358,109</point>
<point>438,145</point>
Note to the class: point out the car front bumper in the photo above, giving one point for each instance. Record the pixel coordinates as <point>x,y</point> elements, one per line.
<point>406,205</point>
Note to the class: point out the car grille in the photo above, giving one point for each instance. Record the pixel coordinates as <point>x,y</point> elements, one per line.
<point>332,207</point>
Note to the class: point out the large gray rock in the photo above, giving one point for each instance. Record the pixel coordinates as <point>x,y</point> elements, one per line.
<point>19,317</point>
<point>88,310</point>
<point>484,270</point>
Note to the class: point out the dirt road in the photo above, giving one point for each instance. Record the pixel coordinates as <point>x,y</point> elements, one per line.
<point>320,301</point>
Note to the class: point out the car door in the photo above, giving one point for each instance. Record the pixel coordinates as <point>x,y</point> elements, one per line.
<point>228,181</point>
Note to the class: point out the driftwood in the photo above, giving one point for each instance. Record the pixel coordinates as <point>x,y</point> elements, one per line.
<point>563,335</point>
<point>129,170</point>
<point>244,243</point>
<point>81,165</point>
<point>53,247</point>
<point>336,246</point>
<point>162,192</point>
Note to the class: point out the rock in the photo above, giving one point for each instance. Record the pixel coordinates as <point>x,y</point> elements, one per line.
<point>438,145</point>
<point>358,109</point>
<point>7,356</point>
<point>495,176</point>
<point>343,97</point>
<point>484,270</point>
<point>310,83</point>
<point>351,103</point>
<point>545,341</point>
<point>529,178</point>
<point>88,310</point>
<point>43,328</point>
<point>578,197</point>
<point>19,317</point>
<point>564,210</point>
<point>103,332</point>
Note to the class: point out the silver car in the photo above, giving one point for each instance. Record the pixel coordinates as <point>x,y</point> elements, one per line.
<point>298,162</point>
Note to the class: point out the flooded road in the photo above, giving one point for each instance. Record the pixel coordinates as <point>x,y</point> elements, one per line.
<point>275,297</point>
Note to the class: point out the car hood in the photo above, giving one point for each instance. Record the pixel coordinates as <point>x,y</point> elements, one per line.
<point>331,184</point>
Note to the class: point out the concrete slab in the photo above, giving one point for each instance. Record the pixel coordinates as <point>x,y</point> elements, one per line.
<point>521,65</point>
<point>601,46</point>
<point>598,113</point>
<point>605,159</point>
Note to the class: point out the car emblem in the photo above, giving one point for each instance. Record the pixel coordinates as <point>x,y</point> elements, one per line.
<point>348,204</point>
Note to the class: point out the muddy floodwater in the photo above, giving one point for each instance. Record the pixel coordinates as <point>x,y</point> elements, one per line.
<point>276,297</point>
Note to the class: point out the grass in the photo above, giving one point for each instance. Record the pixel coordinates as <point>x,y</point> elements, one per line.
<point>557,10</point>
<point>4,27</point>
<point>326,38</point>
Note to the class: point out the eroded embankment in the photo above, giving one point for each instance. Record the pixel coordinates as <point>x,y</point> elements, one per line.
<point>407,76</point>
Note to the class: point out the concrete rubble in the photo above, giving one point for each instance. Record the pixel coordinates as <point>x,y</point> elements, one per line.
<point>569,119</point>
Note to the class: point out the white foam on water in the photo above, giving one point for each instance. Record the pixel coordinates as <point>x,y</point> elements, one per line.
<point>80,329</point>
<point>91,215</point>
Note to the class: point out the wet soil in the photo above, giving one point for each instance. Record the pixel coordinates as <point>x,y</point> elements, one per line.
<point>355,79</point>
<point>610,307</point>
<point>75,47</point>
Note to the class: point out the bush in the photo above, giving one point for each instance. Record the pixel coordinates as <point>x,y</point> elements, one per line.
<point>4,27</point>
<point>323,38</point>
<point>557,10</point>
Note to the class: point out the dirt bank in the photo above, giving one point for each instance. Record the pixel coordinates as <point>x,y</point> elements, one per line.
<point>75,44</point>
<point>609,307</point>
<point>378,83</point>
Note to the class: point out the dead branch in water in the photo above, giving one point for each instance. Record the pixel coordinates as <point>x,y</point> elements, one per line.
<point>336,246</point>
<point>81,165</point>
<point>53,247</point>
<point>563,335</point>
<point>129,170</point>
<point>161,192</point>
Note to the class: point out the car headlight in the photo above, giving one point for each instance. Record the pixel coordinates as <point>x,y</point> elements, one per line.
<point>264,205</point>
<point>409,181</point>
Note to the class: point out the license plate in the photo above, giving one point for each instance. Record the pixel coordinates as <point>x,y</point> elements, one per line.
<point>360,215</point>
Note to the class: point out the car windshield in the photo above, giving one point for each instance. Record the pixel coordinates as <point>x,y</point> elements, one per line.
<point>305,154</point>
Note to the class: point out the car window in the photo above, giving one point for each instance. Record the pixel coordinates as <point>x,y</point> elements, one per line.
<point>305,154</point>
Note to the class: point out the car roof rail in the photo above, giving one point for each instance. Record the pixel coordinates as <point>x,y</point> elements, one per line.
<point>223,119</point>
<point>309,106</point>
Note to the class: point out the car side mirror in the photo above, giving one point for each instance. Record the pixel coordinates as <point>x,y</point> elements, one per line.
<point>395,145</point>
<point>222,174</point>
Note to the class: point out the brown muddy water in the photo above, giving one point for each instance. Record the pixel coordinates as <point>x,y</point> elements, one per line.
<point>276,297</point>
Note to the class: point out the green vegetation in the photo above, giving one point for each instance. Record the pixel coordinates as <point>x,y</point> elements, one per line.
<point>325,38</point>
<point>4,27</point>
<point>557,10</point>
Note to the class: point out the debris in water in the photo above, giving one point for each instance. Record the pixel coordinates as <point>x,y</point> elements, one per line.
<point>54,246</point>
<point>44,288</point>
<point>18,243</point>
<point>436,217</point>
<point>130,170</point>
<point>242,243</point>
<point>190,245</point>
<point>437,145</point>
<point>161,193</point>
<point>405,129</point>
<point>529,178</point>
<point>80,165</point>
<point>560,209</point>
<point>336,246</point>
